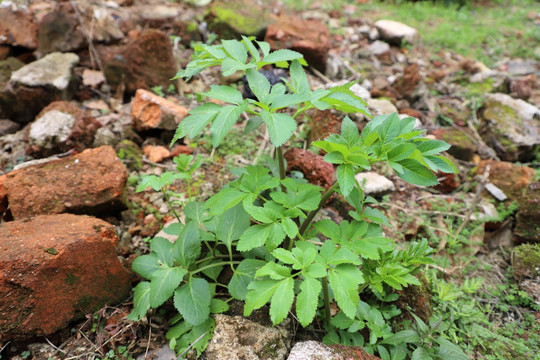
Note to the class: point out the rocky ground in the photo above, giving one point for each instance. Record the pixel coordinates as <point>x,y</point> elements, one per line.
<point>87,108</point>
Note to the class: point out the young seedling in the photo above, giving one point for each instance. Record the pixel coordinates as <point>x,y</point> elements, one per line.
<point>260,226</point>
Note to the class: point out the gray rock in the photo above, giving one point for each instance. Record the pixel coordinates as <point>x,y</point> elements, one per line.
<point>378,47</point>
<point>374,184</point>
<point>51,129</point>
<point>313,350</point>
<point>394,32</point>
<point>523,67</point>
<point>238,338</point>
<point>8,127</point>
<point>53,70</point>
<point>511,126</point>
<point>373,34</point>
<point>105,136</point>
<point>381,107</point>
<point>163,353</point>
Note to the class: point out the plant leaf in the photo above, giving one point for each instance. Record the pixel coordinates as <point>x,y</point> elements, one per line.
<point>243,275</point>
<point>282,300</point>
<point>416,173</point>
<point>346,180</point>
<point>188,245</point>
<point>141,301</point>
<point>344,280</point>
<point>307,300</point>
<point>224,122</point>
<point>224,93</point>
<point>146,265</point>
<point>232,225</point>
<point>280,126</point>
<point>163,284</point>
<point>259,293</point>
<point>253,237</point>
<point>193,300</point>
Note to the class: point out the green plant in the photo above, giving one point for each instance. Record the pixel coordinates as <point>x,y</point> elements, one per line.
<point>259,226</point>
<point>186,165</point>
<point>427,342</point>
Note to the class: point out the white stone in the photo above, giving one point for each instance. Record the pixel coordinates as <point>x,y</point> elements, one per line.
<point>51,128</point>
<point>313,350</point>
<point>54,70</point>
<point>395,32</point>
<point>378,47</point>
<point>381,107</point>
<point>374,184</point>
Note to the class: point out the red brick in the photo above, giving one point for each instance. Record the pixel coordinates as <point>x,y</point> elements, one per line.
<point>150,111</point>
<point>309,37</point>
<point>49,278</point>
<point>91,182</point>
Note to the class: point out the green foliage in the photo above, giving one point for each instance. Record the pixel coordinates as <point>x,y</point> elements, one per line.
<point>259,226</point>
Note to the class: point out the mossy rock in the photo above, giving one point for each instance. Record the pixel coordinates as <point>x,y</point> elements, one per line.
<point>527,261</point>
<point>130,153</point>
<point>8,66</point>
<point>238,17</point>
<point>528,217</point>
<point>510,127</point>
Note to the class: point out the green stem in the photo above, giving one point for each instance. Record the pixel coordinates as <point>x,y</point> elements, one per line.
<point>281,164</point>
<point>215,265</point>
<point>170,205</point>
<point>326,296</point>
<point>312,213</point>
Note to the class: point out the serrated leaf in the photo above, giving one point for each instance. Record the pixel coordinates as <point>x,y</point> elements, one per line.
<point>243,275</point>
<point>421,354</point>
<point>344,280</point>
<point>282,55</point>
<point>231,66</point>
<point>224,122</point>
<point>403,336</point>
<point>349,131</point>
<point>448,350</point>
<point>232,225</point>
<point>416,173</point>
<point>188,245</point>
<point>146,265</point>
<point>218,306</point>
<point>141,301</point>
<point>236,49</point>
<point>259,85</point>
<point>280,126</point>
<point>194,123</point>
<point>307,300</point>
<point>197,212</point>
<point>345,177</point>
<point>163,250</point>
<point>224,93</point>
<point>274,271</point>
<point>369,247</point>
<point>440,163</point>
<point>287,100</point>
<point>251,48</point>
<point>388,128</point>
<point>275,237</point>
<point>290,227</point>
<point>193,300</point>
<point>334,157</point>
<point>346,102</point>
<point>259,293</point>
<point>282,301</point>
<point>299,79</point>
<point>253,123</point>
<point>163,284</point>
<point>224,200</point>
<point>400,152</point>
<point>432,147</point>
<point>253,237</point>
<point>285,256</point>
